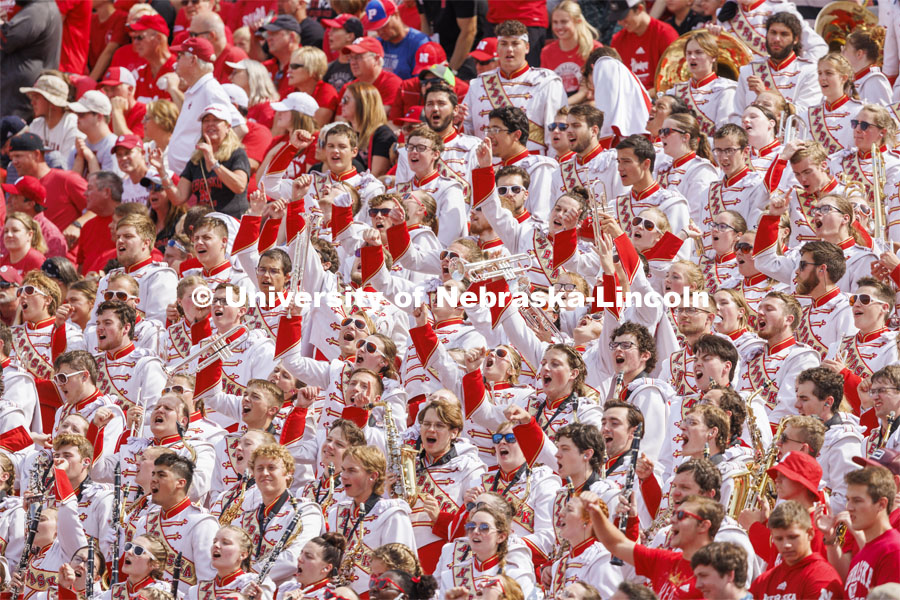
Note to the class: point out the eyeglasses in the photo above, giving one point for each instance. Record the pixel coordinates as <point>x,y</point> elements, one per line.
<point>63,378</point>
<point>436,425</point>
<point>865,300</point>
<point>664,131</point>
<point>359,323</point>
<point>647,224</point>
<point>681,515</point>
<point>565,287</point>
<point>804,264</point>
<point>510,190</point>
<point>30,290</point>
<point>862,125</point>
<point>265,271</point>
<point>377,584</point>
<point>177,389</point>
<point>743,248</point>
<point>882,390</point>
<point>499,437</point>
<point>723,227</point>
<point>119,295</point>
<point>448,255</point>
<point>821,211</point>
<point>784,438</point>
<point>481,527</point>
<point>135,549</point>
<point>139,37</point>
<point>369,347</point>
<point>297,65</point>
<point>560,126</point>
<point>194,34</point>
<point>495,130</point>
<point>374,212</point>
<point>726,151</point>
<point>220,302</point>
<point>621,345</point>
<point>419,148</point>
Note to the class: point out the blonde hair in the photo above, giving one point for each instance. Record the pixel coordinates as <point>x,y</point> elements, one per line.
<point>882,118</point>
<point>585,33</point>
<point>370,113</point>
<point>842,66</point>
<point>231,143</point>
<point>37,238</point>
<point>372,460</point>
<point>314,60</point>
<point>260,83</point>
<point>707,42</point>
<point>164,113</point>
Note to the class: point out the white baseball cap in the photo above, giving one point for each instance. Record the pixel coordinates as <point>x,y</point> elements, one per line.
<point>299,101</point>
<point>219,111</point>
<point>92,101</point>
<point>237,95</point>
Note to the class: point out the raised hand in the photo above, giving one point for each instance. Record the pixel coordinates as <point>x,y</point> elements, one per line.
<point>474,358</point>
<point>300,187</point>
<point>371,237</point>
<point>484,153</point>
<point>301,139</point>
<point>257,200</point>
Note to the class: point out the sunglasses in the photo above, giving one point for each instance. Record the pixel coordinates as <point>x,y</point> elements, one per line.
<point>177,389</point>
<point>484,63</point>
<point>297,65</point>
<point>481,527</point>
<point>506,190</point>
<point>804,264</point>
<point>864,300</point>
<point>681,515</point>
<point>5,285</point>
<point>500,352</point>
<point>448,255</point>
<point>376,584</point>
<point>647,224</point>
<point>374,212</point>
<point>743,248</point>
<point>560,126</point>
<point>359,323</point>
<point>429,81</point>
<point>63,378</point>
<point>135,549</point>
<point>177,245</point>
<point>664,131</point>
<point>30,290</point>
<point>510,438</point>
<point>123,296</point>
<point>329,594</point>
<point>861,125</point>
<point>369,347</point>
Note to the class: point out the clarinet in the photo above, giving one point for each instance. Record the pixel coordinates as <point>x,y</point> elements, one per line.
<point>629,485</point>
<point>89,578</point>
<point>279,546</point>
<point>176,574</point>
<point>116,518</point>
<point>29,544</point>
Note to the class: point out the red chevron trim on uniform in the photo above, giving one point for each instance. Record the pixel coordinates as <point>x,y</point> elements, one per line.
<point>398,239</point>
<point>247,234</point>
<point>288,336</point>
<point>482,184</point>
<point>371,261</point>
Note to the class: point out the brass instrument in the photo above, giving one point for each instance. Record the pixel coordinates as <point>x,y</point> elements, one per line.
<point>742,482</point>
<point>761,485</point>
<point>597,208</point>
<point>301,250</point>
<point>837,20</point>
<point>706,450</point>
<point>218,348</point>
<point>673,68</point>
<point>232,508</point>
<point>878,181</point>
<point>795,129</point>
<point>616,389</point>
<point>882,441</point>
<point>401,460</point>
<point>538,320</point>
<point>138,428</point>
<point>492,268</point>
<point>840,532</point>
<point>661,520</point>
<point>755,434</point>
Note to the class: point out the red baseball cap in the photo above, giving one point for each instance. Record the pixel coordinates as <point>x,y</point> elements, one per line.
<point>427,55</point>
<point>377,13</point>
<point>361,45</point>
<point>29,187</point>
<point>413,115</point>
<point>154,22</point>
<point>128,142</point>
<point>10,275</point>
<point>485,50</point>
<point>800,468</point>
<point>117,75</point>
<point>199,47</point>
<point>347,22</point>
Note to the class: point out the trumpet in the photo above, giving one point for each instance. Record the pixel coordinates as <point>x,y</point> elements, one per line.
<point>502,266</point>
<point>538,320</point>
<point>597,208</point>
<point>301,250</point>
<point>878,181</point>
<point>219,347</point>
<point>795,129</point>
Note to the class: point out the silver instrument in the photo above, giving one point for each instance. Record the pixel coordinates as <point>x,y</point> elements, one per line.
<point>217,348</point>
<point>795,129</point>
<point>301,250</point>
<point>502,266</point>
<point>537,320</point>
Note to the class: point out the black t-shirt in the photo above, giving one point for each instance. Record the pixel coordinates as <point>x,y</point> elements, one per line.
<point>442,16</point>
<point>338,74</point>
<point>219,196</point>
<point>379,145</point>
<point>690,22</point>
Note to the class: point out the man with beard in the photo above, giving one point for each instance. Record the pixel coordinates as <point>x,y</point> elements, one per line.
<point>783,358</point>
<point>441,111</point>
<point>783,70</point>
<point>693,321</point>
<point>748,22</point>
<point>591,164</point>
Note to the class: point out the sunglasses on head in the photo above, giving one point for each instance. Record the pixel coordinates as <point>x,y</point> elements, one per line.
<point>560,126</point>
<point>135,549</point>
<point>647,224</point>
<point>30,290</point>
<point>506,190</point>
<point>176,389</point>
<point>376,584</point>
<point>63,378</point>
<point>358,323</point>
<point>119,295</point>
<point>374,212</point>
<point>510,438</point>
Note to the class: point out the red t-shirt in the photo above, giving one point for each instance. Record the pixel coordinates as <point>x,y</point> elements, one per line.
<point>76,34</point>
<point>411,95</point>
<point>530,13</point>
<point>566,64</point>
<point>221,71</point>
<point>813,577</point>
<point>65,196</point>
<point>641,54</point>
<point>326,96</point>
<point>102,33</point>
<point>134,118</point>
<point>127,58</point>
<point>878,562</point>
<point>279,77</point>
<point>409,14</point>
<point>146,89</point>
<point>262,113</point>
<point>245,12</point>
<point>670,575</point>
<point>256,141</point>
<point>32,260</point>
<point>388,86</point>
<point>94,241</point>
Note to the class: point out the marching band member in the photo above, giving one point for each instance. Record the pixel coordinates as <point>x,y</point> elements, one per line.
<point>829,120</point>
<point>201,426</point>
<point>694,321</point>
<point>143,561</point>
<point>148,333</point>
<point>134,375</point>
<point>751,283</point>
<point>828,303</point>
<point>748,20</point>
<point>885,396</point>
<point>872,126</point>
<point>862,51</point>
<point>241,482</point>
<point>559,141</point>
<point>365,519</point>
<point>587,560</point>
<point>395,584</point>
<point>138,505</point>
<point>625,113</point>
<point>733,321</point>
<point>230,552</point>
<point>12,514</point>
<point>328,487</point>
<point>317,567</point>
<point>686,166</point>
<point>178,332</point>
<point>19,396</point>
<point>488,532</point>
<point>504,124</point>
<point>135,237</point>
<point>801,434</point>
<point>539,92</point>
<point>783,358</point>
<point>710,97</point>
<point>761,127</point>
<point>408,231</point>
<point>779,67</point>
<point>705,429</point>
<point>720,264</point>
<point>819,394</point>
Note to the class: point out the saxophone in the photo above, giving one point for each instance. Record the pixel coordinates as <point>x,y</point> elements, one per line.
<point>661,520</point>
<point>759,448</point>
<point>760,483</point>
<point>233,507</point>
<point>886,434</point>
<point>400,460</point>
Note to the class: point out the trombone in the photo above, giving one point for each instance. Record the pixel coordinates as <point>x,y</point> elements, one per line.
<point>795,129</point>
<point>492,268</point>
<point>878,181</point>
<point>219,347</point>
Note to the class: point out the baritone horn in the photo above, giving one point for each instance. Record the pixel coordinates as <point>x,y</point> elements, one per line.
<point>508,267</point>
<point>795,129</point>
<point>217,348</point>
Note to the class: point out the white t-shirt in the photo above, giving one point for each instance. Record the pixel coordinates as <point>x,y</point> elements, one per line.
<point>103,151</point>
<point>60,138</point>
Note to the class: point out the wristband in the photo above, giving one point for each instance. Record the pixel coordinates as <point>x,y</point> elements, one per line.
<point>76,224</point>
<point>216,166</point>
